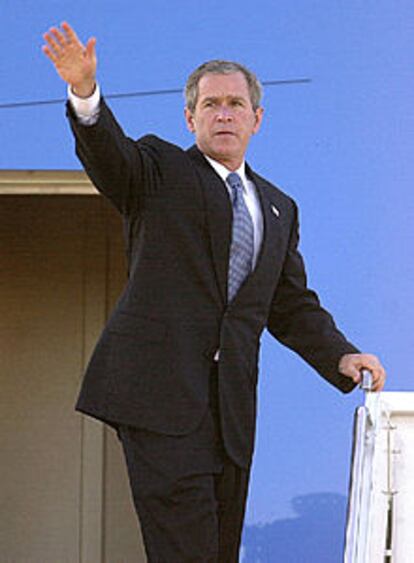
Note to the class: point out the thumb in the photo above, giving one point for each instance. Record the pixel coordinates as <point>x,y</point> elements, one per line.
<point>355,374</point>
<point>349,367</point>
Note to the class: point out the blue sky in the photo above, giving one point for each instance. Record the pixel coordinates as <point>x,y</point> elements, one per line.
<point>341,145</point>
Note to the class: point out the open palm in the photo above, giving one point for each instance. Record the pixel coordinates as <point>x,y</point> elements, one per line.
<point>74,62</point>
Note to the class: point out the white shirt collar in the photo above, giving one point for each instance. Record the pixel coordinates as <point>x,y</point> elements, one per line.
<point>223,172</point>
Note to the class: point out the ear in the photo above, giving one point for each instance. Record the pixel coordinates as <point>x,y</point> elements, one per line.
<point>189,119</point>
<point>258,117</point>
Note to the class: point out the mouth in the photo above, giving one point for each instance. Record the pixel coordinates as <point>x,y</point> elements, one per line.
<point>224,133</point>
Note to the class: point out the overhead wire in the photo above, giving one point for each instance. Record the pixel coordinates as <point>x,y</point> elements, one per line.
<point>142,93</point>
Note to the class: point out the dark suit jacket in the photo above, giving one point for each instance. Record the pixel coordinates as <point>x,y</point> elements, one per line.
<point>151,366</point>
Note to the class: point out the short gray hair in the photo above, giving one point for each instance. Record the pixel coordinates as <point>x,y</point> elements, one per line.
<point>221,67</point>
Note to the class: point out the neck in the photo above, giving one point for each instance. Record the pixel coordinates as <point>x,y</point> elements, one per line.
<point>231,166</point>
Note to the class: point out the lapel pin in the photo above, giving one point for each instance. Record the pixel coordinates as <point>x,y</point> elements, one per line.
<point>275,210</point>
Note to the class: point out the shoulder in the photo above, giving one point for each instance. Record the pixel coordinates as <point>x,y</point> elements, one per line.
<point>151,140</point>
<point>166,153</point>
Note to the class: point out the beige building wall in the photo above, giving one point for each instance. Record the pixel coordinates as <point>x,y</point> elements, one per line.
<point>64,495</point>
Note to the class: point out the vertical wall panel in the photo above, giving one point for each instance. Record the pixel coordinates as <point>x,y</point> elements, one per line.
<point>64,495</point>
<point>41,340</point>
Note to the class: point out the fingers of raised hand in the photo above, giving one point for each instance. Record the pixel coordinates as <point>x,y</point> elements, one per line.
<point>52,47</point>
<point>70,33</point>
<point>49,53</point>
<point>60,42</point>
<point>55,40</point>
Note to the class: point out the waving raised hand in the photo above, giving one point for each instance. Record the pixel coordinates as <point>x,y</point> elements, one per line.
<point>74,62</point>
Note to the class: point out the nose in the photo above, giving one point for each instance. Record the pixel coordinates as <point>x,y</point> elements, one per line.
<point>224,114</point>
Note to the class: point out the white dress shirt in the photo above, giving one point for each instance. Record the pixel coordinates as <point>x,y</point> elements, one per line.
<point>86,109</point>
<point>250,197</point>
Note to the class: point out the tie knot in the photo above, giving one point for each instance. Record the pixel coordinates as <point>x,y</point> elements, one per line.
<point>234,181</point>
<point>236,185</point>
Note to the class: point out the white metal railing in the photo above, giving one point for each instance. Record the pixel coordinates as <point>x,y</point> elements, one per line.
<point>364,479</point>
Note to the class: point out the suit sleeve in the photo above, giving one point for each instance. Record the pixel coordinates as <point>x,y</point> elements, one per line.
<point>124,170</point>
<point>298,320</point>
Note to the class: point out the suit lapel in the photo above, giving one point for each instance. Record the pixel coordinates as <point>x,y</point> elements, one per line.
<point>219,222</point>
<point>219,217</point>
<point>269,253</point>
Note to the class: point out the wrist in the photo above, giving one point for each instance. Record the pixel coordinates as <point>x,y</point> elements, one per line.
<point>84,90</point>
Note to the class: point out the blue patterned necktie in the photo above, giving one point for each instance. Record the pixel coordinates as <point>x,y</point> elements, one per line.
<point>241,249</point>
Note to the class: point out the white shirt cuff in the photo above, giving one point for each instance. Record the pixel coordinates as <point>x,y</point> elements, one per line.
<point>86,109</point>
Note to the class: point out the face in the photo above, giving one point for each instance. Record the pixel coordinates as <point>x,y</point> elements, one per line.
<point>224,120</point>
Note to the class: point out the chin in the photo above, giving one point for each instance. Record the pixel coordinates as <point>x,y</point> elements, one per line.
<point>222,156</point>
<point>225,151</point>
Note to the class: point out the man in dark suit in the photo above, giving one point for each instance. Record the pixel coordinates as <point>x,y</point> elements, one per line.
<point>213,260</point>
